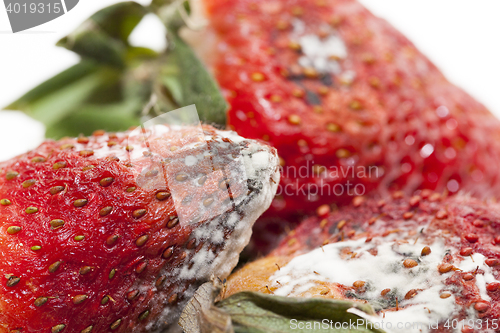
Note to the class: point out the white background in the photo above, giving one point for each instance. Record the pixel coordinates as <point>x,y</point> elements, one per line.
<point>461,36</point>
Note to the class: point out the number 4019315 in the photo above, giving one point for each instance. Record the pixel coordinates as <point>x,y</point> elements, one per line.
<point>34,7</point>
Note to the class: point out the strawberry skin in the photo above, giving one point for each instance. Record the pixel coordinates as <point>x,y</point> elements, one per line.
<point>336,89</point>
<point>115,232</point>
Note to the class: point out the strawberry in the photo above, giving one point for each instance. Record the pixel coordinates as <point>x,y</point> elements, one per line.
<point>427,258</point>
<point>115,232</point>
<point>457,217</point>
<point>351,105</point>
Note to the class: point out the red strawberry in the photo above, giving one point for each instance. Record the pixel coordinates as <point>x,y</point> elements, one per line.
<point>347,100</point>
<point>115,232</point>
<point>425,259</point>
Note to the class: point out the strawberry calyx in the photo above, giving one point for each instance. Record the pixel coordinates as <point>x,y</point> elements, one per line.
<point>120,85</point>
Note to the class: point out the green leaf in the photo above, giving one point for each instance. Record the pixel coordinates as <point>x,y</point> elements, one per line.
<point>173,13</point>
<point>54,99</point>
<point>140,53</point>
<point>261,313</point>
<point>85,119</point>
<point>119,20</point>
<point>184,81</point>
<point>161,3</point>
<point>97,46</point>
<point>104,36</point>
<point>55,106</point>
<point>52,85</point>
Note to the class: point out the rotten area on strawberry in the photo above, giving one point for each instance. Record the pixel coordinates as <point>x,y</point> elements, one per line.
<point>117,231</point>
<point>427,260</point>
